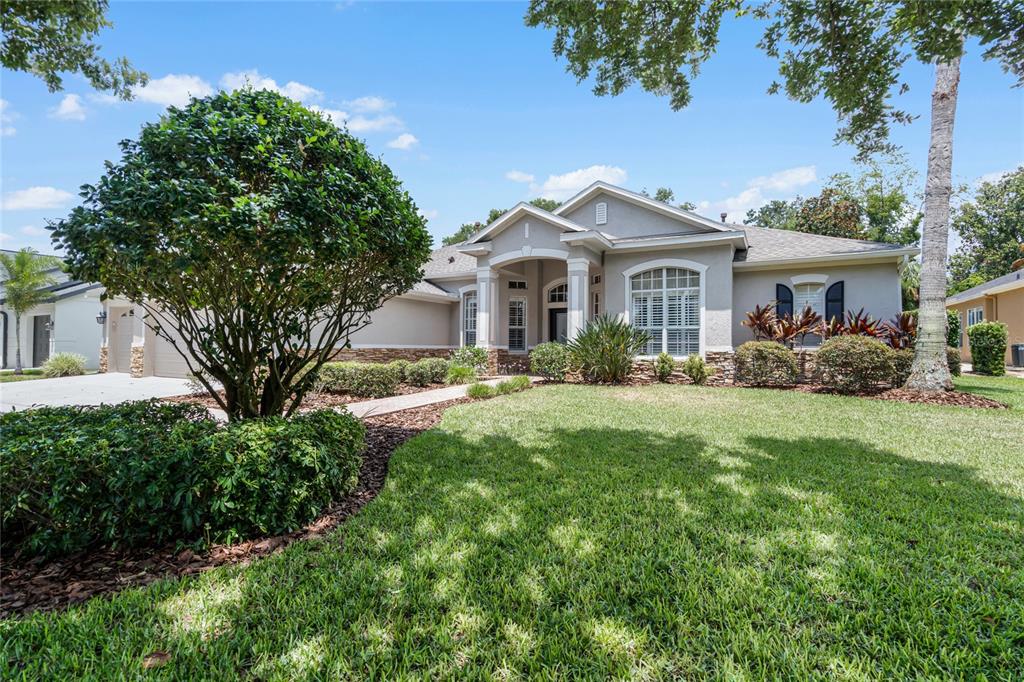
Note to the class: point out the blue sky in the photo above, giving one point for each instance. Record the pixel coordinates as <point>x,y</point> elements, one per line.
<point>471,110</point>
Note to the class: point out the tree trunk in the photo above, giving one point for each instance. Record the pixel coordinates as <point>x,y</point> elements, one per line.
<point>17,344</point>
<point>930,371</point>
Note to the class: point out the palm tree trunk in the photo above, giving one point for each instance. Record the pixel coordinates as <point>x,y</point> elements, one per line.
<point>930,371</point>
<point>17,344</point>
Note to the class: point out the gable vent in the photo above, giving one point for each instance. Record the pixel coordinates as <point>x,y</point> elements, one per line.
<point>602,213</point>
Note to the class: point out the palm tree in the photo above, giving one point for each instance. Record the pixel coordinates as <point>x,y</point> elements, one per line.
<point>28,274</point>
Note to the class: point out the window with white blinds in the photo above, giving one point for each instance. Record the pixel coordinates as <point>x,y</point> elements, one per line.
<point>469,319</point>
<point>665,302</point>
<point>517,324</point>
<point>809,295</point>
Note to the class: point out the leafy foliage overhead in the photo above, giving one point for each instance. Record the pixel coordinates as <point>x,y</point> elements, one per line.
<point>54,37</point>
<point>991,229</point>
<point>258,231</point>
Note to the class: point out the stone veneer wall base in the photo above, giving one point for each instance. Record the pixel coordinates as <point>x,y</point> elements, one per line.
<point>138,361</point>
<point>104,360</point>
<point>389,354</point>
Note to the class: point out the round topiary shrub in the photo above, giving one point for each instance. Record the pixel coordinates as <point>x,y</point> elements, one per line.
<point>64,365</point>
<point>550,360</point>
<point>988,347</point>
<point>853,363</point>
<point>765,363</point>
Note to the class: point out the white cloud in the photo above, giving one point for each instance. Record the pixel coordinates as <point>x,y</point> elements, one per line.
<point>33,231</point>
<point>362,124</point>
<point>403,141</point>
<point>337,116</point>
<point>759,191</point>
<point>7,117</point>
<point>429,214</point>
<point>994,176</point>
<point>370,105</point>
<point>173,90</point>
<point>518,176</point>
<point>69,109</point>
<point>561,187</point>
<point>254,79</point>
<point>35,198</point>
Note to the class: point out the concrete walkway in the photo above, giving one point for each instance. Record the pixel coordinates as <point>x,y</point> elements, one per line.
<point>372,408</point>
<point>90,389</point>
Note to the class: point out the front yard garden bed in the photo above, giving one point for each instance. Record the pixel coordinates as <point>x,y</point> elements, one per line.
<point>41,585</point>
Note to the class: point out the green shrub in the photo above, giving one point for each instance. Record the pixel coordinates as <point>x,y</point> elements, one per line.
<point>400,367</point>
<point>64,365</point>
<point>419,373</point>
<point>470,356</point>
<point>604,351</point>
<point>460,374</point>
<point>765,363</point>
<point>478,391</point>
<point>663,366</point>
<point>365,380</point>
<point>145,473</point>
<point>953,360</point>
<point>550,360</point>
<point>513,385</point>
<point>438,368</point>
<point>988,347</point>
<point>952,328</point>
<point>695,368</point>
<point>849,364</point>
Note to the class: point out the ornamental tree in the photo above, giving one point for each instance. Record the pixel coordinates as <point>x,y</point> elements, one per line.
<point>256,235</point>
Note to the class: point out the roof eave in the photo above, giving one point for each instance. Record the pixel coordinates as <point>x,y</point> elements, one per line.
<point>863,256</point>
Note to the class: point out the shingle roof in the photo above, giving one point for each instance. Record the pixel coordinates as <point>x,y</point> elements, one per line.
<point>449,261</point>
<point>425,287</point>
<point>975,292</point>
<point>767,244</point>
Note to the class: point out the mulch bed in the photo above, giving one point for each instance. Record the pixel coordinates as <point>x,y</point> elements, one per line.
<point>954,398</point>
<point>313,401</point>
<point>39,585</point>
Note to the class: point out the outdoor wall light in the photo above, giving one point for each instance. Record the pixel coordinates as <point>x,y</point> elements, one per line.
<point>102,317</point>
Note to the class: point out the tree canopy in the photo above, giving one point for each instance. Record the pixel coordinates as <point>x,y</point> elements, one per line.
<point>991,230</point>
<point>54,37</point>
<point>258,231</point>
<point>467,230</point>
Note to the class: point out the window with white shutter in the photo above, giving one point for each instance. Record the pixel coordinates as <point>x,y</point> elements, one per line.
<point>517,324</point>
<point>666,304</point>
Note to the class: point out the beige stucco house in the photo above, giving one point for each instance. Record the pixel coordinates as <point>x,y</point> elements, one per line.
<point>998,300</point>
<point>533,276</point>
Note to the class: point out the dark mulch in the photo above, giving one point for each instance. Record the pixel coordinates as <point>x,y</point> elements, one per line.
<point>954,398</point>
<point>39,585</point>
<point>314,401</point>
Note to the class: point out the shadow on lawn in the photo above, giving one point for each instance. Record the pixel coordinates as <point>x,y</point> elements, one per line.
<point>606,552</point>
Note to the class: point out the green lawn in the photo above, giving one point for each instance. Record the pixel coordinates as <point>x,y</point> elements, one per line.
<point>8,375</point>
<point>651,532</point>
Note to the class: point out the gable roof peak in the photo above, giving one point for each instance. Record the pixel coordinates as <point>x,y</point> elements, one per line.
<point>600,186</point>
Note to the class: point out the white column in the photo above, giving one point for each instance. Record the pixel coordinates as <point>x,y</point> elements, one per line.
<point>579,293</point>
<point>486,307</point>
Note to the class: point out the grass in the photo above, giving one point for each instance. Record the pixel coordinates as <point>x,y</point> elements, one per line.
<point>595,532</point>
<point>8,375</point>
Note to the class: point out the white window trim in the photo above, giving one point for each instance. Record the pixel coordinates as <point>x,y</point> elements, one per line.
<point>809,279</point>
<point>544,323</point>
<point>979,317</point>
<point>469,288</point>
<point>525,327</point>
<point>699,268</point>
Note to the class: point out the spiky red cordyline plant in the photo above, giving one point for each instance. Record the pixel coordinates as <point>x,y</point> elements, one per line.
<point>860,323</point>
<point>761,321</point>
<point>830,328</point>
<point>900,331</point>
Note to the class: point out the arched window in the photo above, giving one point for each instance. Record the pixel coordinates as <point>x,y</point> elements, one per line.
<point>558,294</point>
<point>665,302</point>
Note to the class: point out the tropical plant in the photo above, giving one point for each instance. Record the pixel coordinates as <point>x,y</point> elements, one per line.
<point>785,330</point>
<point>862,324</point>
<point>806,322</point>
<point>550,360</point>
<point>64,365</point>
<point>851,53</point>
<point>27,274</point>
<point>460,374</point>
<point>829,328</point>
<point>900,331</point>
<point>663,366</point>
<point>258,231</point>
<point>696,369</point>
<point>988,347</point>
<point>766,363</point>
<point>761,322</point>
<point>605,349</point>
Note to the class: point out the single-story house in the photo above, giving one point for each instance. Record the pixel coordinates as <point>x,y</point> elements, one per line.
<point>998,300</point>
<point>64,323</point>
<point>533,276</point>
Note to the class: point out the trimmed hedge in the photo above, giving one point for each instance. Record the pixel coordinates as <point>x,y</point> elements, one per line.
<point>366,380</point>
<point>850,364</point>
<point>953,360</point>
<point>953,328</point>
<point>765,363</point>
<point>145,473</point>
<point>550,360</point>
<point>988,347</point>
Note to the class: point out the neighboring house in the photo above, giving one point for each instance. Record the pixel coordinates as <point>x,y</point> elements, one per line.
<point>65,323</point>
<point>533,276</point>
<point>998,300</point>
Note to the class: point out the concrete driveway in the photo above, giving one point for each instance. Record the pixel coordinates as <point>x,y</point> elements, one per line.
<point>91,389</point>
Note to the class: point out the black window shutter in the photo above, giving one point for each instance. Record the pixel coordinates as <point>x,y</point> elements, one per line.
<point>834,303</point>
<point>783,300</point>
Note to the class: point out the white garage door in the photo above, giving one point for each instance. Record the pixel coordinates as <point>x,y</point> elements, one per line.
<point>166,360</point>
<point>122,351</point>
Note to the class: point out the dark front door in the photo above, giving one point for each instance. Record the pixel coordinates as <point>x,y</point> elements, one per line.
<point>558,325</point>
<point>40,339</point>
